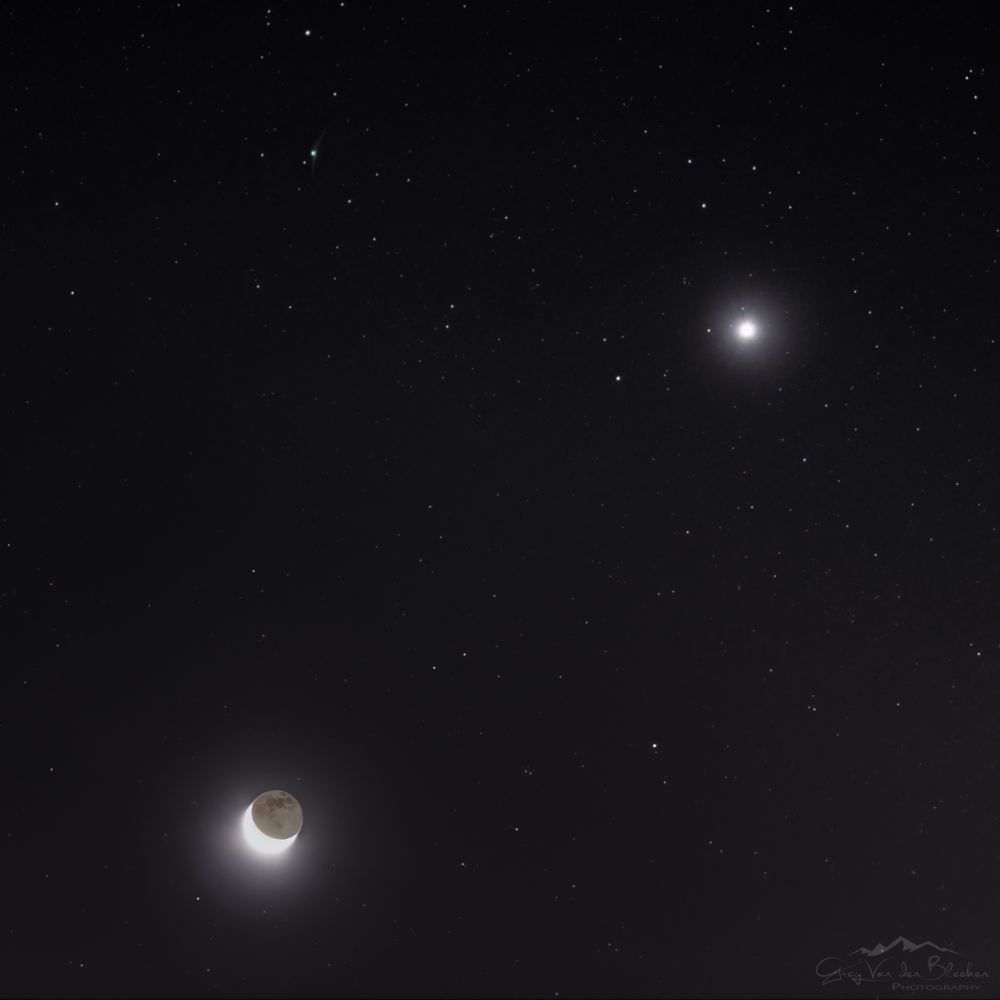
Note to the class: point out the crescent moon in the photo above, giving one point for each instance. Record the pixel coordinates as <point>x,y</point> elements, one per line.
<point>272,822</point>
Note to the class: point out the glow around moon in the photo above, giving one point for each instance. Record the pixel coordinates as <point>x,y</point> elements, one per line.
<point>272,822</point>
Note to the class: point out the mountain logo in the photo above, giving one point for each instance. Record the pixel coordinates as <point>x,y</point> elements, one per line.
<point>901,962</point>
<point>901,946</point>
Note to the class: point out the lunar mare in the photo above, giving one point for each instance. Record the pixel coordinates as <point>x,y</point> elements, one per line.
<point>273,821</point>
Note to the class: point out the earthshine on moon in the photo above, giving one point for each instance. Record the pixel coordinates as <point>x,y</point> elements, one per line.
<point>272,822</point>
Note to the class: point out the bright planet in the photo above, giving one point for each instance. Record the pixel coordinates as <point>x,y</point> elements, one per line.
<point>273,821</point>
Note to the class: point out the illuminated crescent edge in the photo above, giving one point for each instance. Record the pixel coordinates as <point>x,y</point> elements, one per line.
<point>261,841</point>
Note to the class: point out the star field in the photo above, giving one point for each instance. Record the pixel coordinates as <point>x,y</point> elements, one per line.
<point>554,445</point>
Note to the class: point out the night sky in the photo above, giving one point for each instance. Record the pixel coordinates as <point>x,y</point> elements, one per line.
<point>609,653</point>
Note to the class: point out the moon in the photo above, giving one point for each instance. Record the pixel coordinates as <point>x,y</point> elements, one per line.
<point>272,822</point>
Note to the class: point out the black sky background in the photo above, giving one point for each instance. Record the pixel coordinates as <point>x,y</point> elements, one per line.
<point>607,656</point>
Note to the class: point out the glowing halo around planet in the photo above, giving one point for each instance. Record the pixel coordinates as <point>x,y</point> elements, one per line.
<point>272,822</point>
<point>752,332</point>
